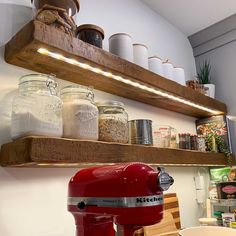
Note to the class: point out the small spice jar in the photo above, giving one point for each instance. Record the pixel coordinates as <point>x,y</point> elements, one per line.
<point>80,115</point>
<point>201,144</point>
<point>113,122</point>
<point>37,110</point>
<point>91,34</point>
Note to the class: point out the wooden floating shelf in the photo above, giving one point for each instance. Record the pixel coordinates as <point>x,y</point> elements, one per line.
<point>22,51</point>
<point>59,152</point>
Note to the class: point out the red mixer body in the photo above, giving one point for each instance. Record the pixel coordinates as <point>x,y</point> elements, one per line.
<point>129,195</point>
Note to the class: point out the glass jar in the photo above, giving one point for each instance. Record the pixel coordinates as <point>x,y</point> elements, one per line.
<point>80,114</point>
<point>201,143</point>
<point>71,6</point>
<point>113,122</point>
<point>37,110</point>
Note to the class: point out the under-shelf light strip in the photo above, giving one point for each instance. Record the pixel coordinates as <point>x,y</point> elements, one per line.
<point>123,80</point>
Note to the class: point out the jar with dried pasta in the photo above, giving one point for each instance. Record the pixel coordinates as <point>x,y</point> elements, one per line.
<point>113,122</point>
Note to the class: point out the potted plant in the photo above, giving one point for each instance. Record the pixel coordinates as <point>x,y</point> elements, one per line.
<point>204,78</point>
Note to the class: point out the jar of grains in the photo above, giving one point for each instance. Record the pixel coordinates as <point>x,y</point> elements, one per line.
<point>37,110</point>
<point>80,115</point>
<point>113,122</point>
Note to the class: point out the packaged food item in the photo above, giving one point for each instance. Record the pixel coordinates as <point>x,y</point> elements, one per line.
<point>226,190</point>
<point>212,190</point>
<point>113,122</point>
<point>37,110</point>
<point>216,174</point>
<point>227,219</point>
<point>80,115</point>
<point>233,224</point>
<point>91,34</point>
<point>218,215</point>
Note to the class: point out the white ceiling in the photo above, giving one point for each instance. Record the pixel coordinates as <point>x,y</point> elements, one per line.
<point>191,16</point>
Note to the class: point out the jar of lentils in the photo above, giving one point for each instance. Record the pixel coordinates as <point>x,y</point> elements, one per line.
<point>113,122</point>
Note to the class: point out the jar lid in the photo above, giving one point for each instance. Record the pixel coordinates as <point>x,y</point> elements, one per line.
<point>37,78</point>
<point>154,57</point>
<point>90,27</point>
<point>140,44</point>
<point>111,103</point>
<point>120,34</point>
<point>75,89</point>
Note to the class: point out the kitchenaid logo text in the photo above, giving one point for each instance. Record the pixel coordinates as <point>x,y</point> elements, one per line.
<point>149,199</point>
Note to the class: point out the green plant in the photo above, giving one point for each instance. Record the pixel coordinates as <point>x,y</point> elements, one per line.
<point>203,75</point>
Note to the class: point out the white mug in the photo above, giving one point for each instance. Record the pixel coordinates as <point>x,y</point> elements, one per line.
<point>120,44</point>
<point>179,75</point>
<point>155,65</point>
<point>168,70</point>
<point>140,55</point>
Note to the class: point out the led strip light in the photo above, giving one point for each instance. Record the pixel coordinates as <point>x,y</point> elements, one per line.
<point>123,80</point>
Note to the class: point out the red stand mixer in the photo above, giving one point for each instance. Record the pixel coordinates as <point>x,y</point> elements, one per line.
<point>129,195</point>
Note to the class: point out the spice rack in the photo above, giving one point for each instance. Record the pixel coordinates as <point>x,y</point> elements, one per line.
<point>45,49</point>
<point>59,152</point>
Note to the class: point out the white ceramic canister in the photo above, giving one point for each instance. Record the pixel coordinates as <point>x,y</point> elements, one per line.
<point>211,90</point>
<point>179,75</point>
<point>120,44</point>
<point>168,70</point>
<point>140,55</point>
<point>155,65</point>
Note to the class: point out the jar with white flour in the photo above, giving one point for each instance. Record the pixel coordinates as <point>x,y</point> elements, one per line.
<point>37,110</point>
<point>80,115</point>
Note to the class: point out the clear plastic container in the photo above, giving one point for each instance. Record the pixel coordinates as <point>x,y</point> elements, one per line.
<point>80,114</point>
<point>37,110</point>
<point>113,122</point>
<point>162,136</point>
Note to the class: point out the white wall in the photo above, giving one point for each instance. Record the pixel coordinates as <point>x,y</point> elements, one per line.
<point>33,201</point>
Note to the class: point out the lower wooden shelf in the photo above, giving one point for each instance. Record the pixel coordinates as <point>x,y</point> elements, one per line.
<point>59,152</point>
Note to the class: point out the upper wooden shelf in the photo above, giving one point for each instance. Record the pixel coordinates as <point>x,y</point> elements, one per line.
<point>23,48</point>
<point>59,152</point>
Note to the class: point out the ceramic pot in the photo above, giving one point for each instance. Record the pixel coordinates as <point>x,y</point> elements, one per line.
<point>155,65</point>
<point>211,90</point>
<point>120,44</point>
<point>179,75</point>
<point>140,52</point>
<point>168,70</point>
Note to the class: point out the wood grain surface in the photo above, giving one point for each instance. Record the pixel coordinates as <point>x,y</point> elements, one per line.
<point>59,152</point>
<point>22,51</point>
<point>170,225</point>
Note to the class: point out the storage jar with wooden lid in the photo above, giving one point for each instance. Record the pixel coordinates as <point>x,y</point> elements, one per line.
<point>113,122</point>
<point>91,34</point>
<point>71,6</point>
